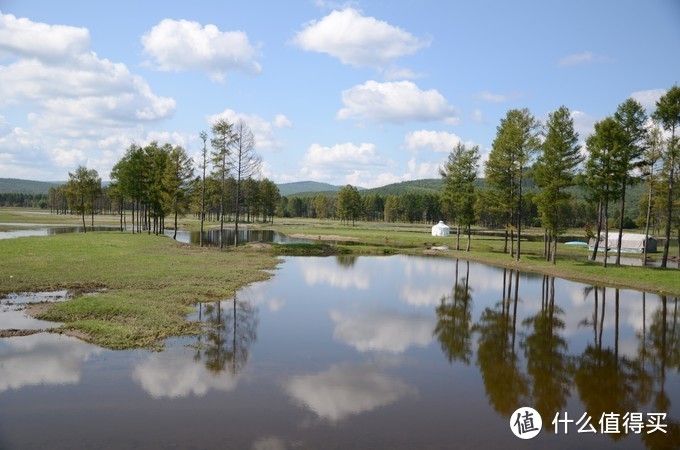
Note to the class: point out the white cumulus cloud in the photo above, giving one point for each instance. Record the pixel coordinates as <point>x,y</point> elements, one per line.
<point>338,161</point>
<point>584,124</point>
<point>438,141</point>
<point>74,101</point>
<point>395,102</point>
<point>180,45</point>
<point>20,37</point>
<point>648,98</point>
<point>282,121</point>
<point>358,40</point>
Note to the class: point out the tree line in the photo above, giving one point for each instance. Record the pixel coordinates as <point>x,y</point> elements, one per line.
<point>22,200</point>
<point>626,148</point>
<point>158,181</point>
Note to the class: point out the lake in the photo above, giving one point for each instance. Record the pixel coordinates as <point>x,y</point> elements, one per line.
<point>366,352</point>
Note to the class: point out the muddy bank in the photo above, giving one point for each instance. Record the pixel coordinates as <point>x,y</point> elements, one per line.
<point>325,237</point>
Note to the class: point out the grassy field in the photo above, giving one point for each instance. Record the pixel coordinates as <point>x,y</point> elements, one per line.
<point>145,284</point>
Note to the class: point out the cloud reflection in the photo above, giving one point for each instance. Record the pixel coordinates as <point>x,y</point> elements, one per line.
<point>42,359</point>
<point>173,374</point>
<point>335,277</point>
<point>344,390</point>
<point>386,331</point>
<point>269,443</point>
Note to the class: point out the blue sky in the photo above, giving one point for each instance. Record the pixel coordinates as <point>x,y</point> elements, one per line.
<point>362,92</point>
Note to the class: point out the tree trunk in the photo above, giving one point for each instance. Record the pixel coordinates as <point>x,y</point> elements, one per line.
<point>174,235</point>
<point>512,243</point>
<point>202,209</point>
<point>519,216</point>
<point>669,216</point>
<point>82,208</point>
<point>467,249</point>
<point>556,224</point>
<point>649,212</point>
<point>458,237</point>
<point>505,241</point>
<point>599,231</point>
<point>222,213</point>
<point>238,207</point>
<point>623,207</point>
<point>606,231</point>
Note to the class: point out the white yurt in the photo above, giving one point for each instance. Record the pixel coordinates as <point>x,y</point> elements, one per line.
<point>441,229</point>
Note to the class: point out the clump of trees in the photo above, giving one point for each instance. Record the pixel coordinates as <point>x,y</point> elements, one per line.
<point>623,150</point>
<point>82,190</point>
<point>158,181</point>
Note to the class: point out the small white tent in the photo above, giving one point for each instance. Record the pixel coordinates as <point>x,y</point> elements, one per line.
<point>441,229</point>
<point>630,243</point>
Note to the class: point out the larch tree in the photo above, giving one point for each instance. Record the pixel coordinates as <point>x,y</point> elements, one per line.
<point>82,189</point>
<point>517,139</point>
<point>601,172</point>
<point>651,157</point>
<point>668,114</point>
<point>631,117</point>
<point>270,196</point>
<point>349,204</point>
<point>458,192</point>
<point>176,183</point>
<point>554,172</point>
<point>244,161</point>
<point>222,141</point>
<point>203,165</point>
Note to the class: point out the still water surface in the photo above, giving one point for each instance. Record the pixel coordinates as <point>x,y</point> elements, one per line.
<point>362,352</point>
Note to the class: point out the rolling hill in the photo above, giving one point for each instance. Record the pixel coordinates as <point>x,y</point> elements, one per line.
<point>16,186</point>
<point>306,187</point>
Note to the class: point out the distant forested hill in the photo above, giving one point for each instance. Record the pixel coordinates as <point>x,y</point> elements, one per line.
<point>426,186</point>
<point>299,187</point>
<point>16,186</point>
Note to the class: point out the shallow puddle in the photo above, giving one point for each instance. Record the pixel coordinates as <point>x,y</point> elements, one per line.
<point>13,317</point>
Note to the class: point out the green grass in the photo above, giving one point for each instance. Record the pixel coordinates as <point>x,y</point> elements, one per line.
<point>146,284</point>
<point>379,238</point>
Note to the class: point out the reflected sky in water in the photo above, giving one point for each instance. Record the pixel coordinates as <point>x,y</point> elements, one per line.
<point>366,352</point>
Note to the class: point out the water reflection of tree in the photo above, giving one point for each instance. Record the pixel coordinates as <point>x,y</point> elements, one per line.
<point>660,351</point>
<point>605,381</point>
<point>229,334</point>
<point>545,351</point>
<point>346,261</point>
<point>454,320</point>
<point>505,384</point>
